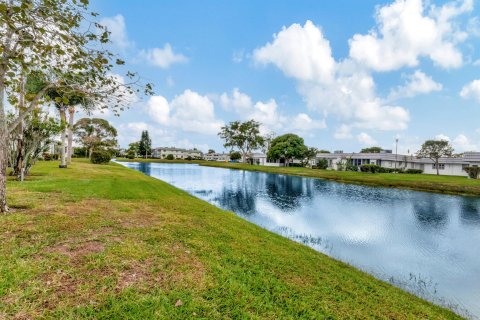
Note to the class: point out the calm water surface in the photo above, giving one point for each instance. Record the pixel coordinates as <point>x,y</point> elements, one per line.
<point>426,243</point>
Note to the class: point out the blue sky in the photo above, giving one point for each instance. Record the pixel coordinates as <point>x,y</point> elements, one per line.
<point>342,74</point>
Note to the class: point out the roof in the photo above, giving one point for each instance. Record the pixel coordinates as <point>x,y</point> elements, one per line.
<point>177,149</point>
<point>467,157</point>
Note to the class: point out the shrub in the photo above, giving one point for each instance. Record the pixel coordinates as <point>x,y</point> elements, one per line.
<point>189,158</point>
<point>235,155</point>
<point>473,172</point>
<point>131,154</point>
<point>295,164</point>
<point>55,156</point>
<point>100,157</point>
<point>414,171</point>
<point>170,157</point>
<point>371,168</point>
<point>47,156</point>
<point>322,164</point>
<point>351,167</point>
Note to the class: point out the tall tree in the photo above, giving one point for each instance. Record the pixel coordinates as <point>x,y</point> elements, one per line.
<point>52,36</point>
<point>434,150</point>
<point>242,135</point>
<point>287,147</point>
<point>309,154</point>
<point>94,133</point>
<point>145,144</point>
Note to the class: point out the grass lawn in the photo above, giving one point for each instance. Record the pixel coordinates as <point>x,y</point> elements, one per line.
<point>424,182</point>
<point>106,242</point>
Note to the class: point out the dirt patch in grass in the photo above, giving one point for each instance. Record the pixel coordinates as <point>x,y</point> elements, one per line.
<point>76,251</point>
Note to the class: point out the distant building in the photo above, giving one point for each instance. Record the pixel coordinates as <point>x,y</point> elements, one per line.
<point>222,157</point>
<point>451,166</point>
<point>178,153</point>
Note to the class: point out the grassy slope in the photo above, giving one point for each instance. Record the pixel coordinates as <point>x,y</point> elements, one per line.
<point>108,242</point>
<point>424,182</point>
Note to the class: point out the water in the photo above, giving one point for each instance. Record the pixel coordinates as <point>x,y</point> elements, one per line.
<point>426,243</point>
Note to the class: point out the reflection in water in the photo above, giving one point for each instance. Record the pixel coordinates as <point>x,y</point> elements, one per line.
<point>431,214</point>
<point>423,242</point>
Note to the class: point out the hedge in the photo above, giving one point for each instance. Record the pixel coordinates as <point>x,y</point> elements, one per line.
<point>100,157</point>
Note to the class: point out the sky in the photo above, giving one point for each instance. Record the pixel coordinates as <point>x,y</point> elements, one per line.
<point>342,74</point>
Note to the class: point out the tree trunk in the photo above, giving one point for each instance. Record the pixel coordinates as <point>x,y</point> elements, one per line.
<point>71,115</point>
<point>19,169</point>
<point>436,165</point>
<point>63,118</point>
<point>3,151</point>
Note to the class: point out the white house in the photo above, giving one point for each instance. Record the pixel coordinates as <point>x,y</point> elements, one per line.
<point>221,157</point>
<point>452,166</point>
<point>178,153</point>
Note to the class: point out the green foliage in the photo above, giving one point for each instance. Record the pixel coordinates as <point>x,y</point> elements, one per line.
<point>95,133</point>
<point>288,147</point>
<point>145,144</point>
<point>371,168</point>
<point>100,157</point>
<point>323,151</point>
<point>322,164</point>
<point>189,158</point>
<point>80,152</point>
<point>371,150</point>
<point>235,155</point>
<point>434,150</point>
<point>413,171</point>
<point>244,136</point>
<point>130,154</point>
<point>170,157</point>
<point>47,156</point>
<point>210,151</point>
<point>473,172</point>
<point>350,167</point>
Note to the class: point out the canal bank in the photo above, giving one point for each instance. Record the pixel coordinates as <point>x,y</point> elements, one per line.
<point>106,241</point>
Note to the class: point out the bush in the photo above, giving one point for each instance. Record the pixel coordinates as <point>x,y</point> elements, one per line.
<point>189,158</point>
<point>371,168</point>
<point>131,154</point>
<point>100,157</point>
<point>295,164</point>
<point>170,157</point>
<point>322,164</point>
<point>414,171</point>
<point>473,172</point>
<point>351,167</point>
<point>235,155</point>
<point>47,156</point>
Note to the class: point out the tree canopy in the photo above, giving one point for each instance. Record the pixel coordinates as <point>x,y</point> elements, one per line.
<point>434,150</point>
<point>371,150</point>
<point>145,144</point>
<point>95,133</point>
<point>242,135</point>
<point>288,147</point>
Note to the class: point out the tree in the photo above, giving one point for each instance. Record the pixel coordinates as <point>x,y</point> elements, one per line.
<point>242,135</point>
<point>287,147</point>
<point>53,36</point>
<point>309,154</point>
<point>434,150</point>
<point>371,150</point>
<point>210,151</point>
<point>95,133</point>
<point>133,148</point>
<point>235,155</point>
<point>145,144</point>
<point>323,151</point>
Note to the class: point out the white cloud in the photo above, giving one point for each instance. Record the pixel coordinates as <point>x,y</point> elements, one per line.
<point>342,89</point>
<point>462,143</point>
<point>237,101</point>
<point>267,114</point>
<point>163,57</point>
<point>415,84</point>
<point>303,122</point>
<point>441,136</point>
<point>189,112</point>
<point>343,132</point>
<point>238,56</point>
<point>365,139</point>
<point>118,32</point>
<point>300,52</point>
<point>471,90</point>
<point>405,33</point>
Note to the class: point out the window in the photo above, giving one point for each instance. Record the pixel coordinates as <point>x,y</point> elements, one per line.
<point>441,166</point>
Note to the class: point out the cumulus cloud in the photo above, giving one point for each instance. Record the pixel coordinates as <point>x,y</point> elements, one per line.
<point>189,111</point>
<point>462,143</point>
<point>471,90</point>
<point>441,136</point>
<point>415,84</point>
<point>343,89</point>
<point>405,32</point>
<point>267,113</point>
<point>118,32</point>
<point>366,139</point>
<point>163,57</point>
<point>236,101</point>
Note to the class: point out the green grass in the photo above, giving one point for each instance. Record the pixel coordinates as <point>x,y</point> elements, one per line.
<point>107,242</point>
<point>423,182</point>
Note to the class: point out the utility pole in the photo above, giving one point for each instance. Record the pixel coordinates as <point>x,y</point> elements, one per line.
<point>396,152</point>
